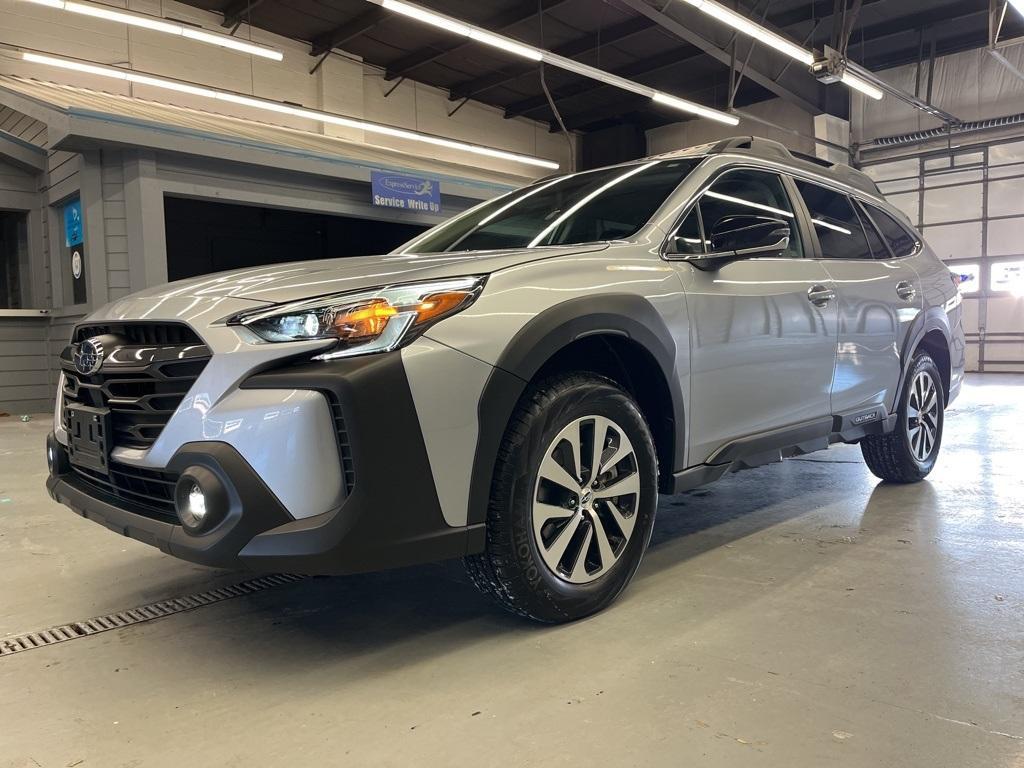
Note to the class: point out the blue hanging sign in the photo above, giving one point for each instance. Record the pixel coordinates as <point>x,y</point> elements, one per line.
<point>73,224</point>
<point>406,192</point>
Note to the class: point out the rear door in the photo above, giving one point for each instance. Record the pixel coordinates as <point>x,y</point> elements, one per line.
<point>879,299</point>
<point>762,330</point>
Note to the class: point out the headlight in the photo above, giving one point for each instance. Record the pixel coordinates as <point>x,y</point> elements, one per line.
<point>377,320</point>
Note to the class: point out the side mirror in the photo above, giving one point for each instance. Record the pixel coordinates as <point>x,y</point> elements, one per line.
<point>741,237</point>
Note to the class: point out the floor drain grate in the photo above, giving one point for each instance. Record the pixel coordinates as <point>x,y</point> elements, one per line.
<point>93,626</point>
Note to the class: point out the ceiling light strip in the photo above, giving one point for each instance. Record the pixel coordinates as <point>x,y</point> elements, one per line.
<point>161,25</point>
<point>517,48</point>
<point>764,35</point>
<point>284,109</point>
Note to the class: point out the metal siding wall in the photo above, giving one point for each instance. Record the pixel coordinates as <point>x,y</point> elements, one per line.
<point>969,204</point>
<point>25,382</point>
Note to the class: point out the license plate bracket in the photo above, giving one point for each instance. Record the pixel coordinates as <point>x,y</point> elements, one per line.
<point>89,434</point>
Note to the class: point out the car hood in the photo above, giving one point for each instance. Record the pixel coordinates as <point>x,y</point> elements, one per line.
<point>306,279</point>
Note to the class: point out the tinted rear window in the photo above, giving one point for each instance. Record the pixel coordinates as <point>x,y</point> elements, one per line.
<point>900,240</point>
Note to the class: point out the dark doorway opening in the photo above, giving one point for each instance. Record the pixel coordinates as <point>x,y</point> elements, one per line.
<point>205,236</point>
<point>13,258</point>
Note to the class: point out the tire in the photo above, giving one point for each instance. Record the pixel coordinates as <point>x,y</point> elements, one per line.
<point>532,518</point>
<point>908,453</point>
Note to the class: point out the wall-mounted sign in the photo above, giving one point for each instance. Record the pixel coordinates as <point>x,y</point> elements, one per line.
<point>73,224</point>
<point>406,192</point>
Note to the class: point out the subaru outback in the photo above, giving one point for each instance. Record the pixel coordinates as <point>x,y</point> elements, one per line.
<point>516,386</point>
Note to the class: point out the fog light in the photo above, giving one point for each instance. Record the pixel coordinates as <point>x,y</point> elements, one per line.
<point>56,456</point>
<point>200,499</point>
<point>195,508</point>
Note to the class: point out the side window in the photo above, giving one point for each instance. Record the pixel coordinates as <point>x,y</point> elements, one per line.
<point>749,193</point>
<point>901,241</point>
<point>836,223</point>
<point>878,248</point>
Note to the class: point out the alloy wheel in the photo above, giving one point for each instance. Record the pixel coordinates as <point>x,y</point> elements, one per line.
<point>923,416</point>
<point>586,499</point>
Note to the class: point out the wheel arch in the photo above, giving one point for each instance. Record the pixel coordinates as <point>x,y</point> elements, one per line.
<point>931,333</point>
<point>624,338</point>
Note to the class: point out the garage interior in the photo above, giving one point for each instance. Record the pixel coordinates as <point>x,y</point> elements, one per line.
<point>797,614</point>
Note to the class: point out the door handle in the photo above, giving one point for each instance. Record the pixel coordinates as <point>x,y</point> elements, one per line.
<point>820,295</point>
<point>906,290</point>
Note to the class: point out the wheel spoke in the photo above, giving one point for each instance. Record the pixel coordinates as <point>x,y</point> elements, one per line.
<point>597,447</point>
<point>625,523</point>
<point>576,443</point>
<point>553,554</point>
<point>544,514</point>
<point>604,547</point>
<point>621,486</point>
<point>621,452</point>
<point>579,568</point>
<point>554,472</point>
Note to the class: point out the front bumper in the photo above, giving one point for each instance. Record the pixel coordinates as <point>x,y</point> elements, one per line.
<point>391,517</point>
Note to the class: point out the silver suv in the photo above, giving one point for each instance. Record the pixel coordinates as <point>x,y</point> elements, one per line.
<point>517,385</point>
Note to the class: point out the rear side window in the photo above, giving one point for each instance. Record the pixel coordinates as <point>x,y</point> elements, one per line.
<point>900,240</point>
<point>836,223</point>
<point>878,248</point>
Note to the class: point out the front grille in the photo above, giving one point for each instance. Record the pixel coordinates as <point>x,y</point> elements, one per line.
<point>141,334</point>
<point>142,381</point>
<point>148,492</point>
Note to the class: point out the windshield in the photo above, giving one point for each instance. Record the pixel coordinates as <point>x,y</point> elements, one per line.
<point>605,204</point>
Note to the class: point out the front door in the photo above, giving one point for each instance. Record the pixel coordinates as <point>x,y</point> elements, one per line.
<point>762,331</point>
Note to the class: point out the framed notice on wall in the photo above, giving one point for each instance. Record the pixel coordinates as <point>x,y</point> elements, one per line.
<point>74,266</point>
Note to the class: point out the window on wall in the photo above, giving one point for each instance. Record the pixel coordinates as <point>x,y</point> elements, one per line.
<point>13,258</point>
<point>836,222</point>
<point>73,263</point>
<point>1008,277</point>
<point>970,277</point>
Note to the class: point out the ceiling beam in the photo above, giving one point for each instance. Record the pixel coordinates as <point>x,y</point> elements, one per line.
<point>352,28</point>
<point>238,10</point>
<point>797,87</point>
<point>521,12</point>
<point>617,33</point>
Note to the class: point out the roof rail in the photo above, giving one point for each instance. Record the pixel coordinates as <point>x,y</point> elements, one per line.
<point>768,149</point>
<point>760,147</point>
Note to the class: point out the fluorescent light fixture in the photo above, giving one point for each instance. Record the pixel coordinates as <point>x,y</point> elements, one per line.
<point>599,191</point>
<point>1018,4</point>
<point>285,109</point>
<point>697,109</point>
<point>828,225</point>
<point>497,41</point>
<point>456,27</point>
<point>859,84</point>
<point>161,25</point>
<point>748,204</point>
<point>742,24</point>
<point>536,54</point>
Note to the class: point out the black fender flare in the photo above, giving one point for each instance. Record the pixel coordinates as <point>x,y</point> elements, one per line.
<point>626,315</point>
<point>931,319</point>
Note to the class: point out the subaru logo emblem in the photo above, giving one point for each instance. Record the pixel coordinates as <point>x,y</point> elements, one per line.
<point>89,357</point>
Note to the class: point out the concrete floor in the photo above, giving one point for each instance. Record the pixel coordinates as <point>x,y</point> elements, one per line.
<point>795,615</point>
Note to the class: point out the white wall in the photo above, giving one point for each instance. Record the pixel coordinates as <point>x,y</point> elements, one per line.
<point>777,111</point>
<point>971,85</point>
<point>343,84</point>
